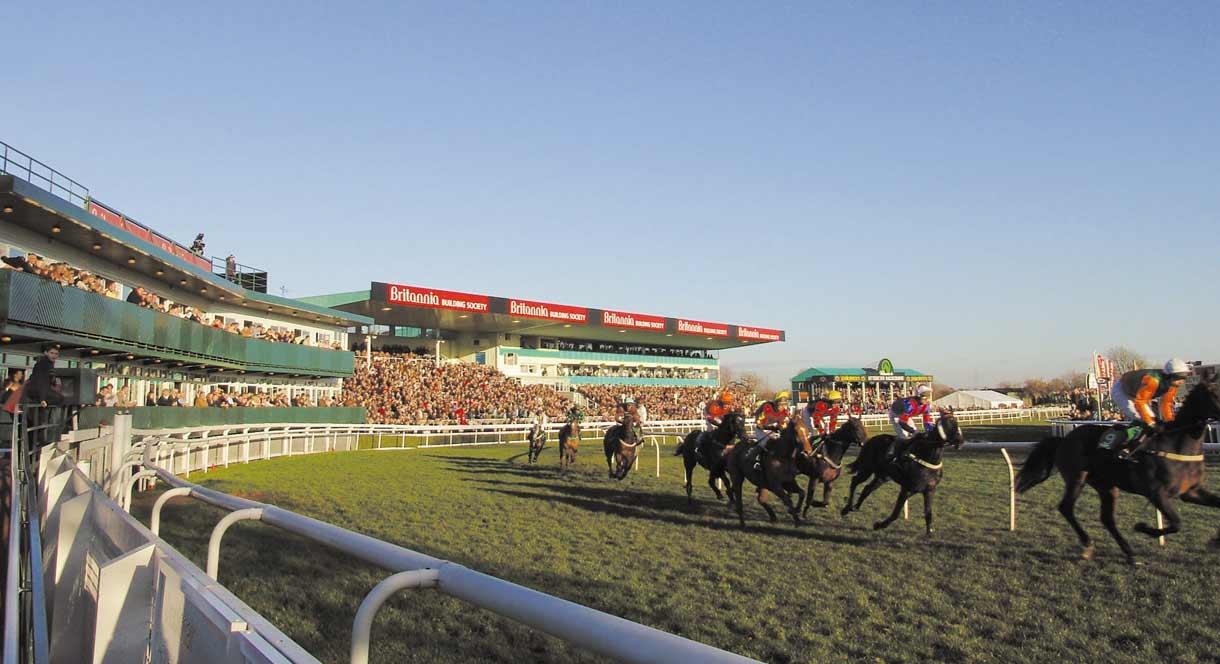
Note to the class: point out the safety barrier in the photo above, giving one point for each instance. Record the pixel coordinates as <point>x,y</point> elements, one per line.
<point>111,578</point>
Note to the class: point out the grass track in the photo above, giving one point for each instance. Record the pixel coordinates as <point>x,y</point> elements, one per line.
<point>833,590</point>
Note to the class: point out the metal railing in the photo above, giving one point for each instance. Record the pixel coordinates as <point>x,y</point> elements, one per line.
<point>21,165</point>
<point>250,278</point>
<point>25,616</point>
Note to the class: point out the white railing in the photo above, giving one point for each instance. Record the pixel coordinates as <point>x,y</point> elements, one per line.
<point>1063,427</point>
<point>229,628</point>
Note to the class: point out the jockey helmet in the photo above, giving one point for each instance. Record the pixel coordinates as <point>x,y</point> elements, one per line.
<point>923,391</point>
<point>782,395</point>
<point>628,401</point>
<point>834,395</point>
<point>726,397</point>
<point>1177,368</point>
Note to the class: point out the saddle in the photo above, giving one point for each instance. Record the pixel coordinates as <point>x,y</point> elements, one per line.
<point>705,444</point>
<point>1119,436</point>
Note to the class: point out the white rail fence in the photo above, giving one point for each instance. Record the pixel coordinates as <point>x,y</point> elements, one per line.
<point>109,575</point>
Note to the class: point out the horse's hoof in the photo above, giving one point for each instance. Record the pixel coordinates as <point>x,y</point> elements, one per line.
<point>1087,553</point>
<point>929,533</point>
<point>1214,544</point>
<point>1145,529</point>
<point>1132,562</point>
<point>879,525</point>
<point>845,511</point>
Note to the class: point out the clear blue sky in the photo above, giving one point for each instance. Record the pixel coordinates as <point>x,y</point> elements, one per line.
<point>977,191</point>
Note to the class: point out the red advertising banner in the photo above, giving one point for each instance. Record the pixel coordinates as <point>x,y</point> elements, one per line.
<point>105,215</point>
<point>633,321</point>
<point>557,312</point>
<point>415,296</point>
<point>758,333</point>
<point>702,329</point>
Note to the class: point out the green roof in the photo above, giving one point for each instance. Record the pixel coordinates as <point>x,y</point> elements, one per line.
<point>337,299</point>
<point>815,372</point>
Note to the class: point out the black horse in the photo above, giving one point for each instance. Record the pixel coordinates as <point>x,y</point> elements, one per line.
<point>1171,466</point>
<point>569,442</point>
<point>712,452</point>
<point>826,463</point>
<point>537,439</point>
<point>778,473</point>
<point>620,443</point>
<point>917,469</point>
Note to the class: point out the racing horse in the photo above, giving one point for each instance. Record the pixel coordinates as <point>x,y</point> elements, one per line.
<point>778,472</point>
<point>712,451</point>
<point>917,469</point>
<point>569,442</point>
<point>826,463</point>
<point>1171,466</point>
<point>537,439</point>
<point>620,444</point>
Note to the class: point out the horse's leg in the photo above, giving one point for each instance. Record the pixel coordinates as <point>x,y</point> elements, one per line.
<point>851,492</point>
<point>809,496</point>
<point>927,510</point>
<point>825,494</point>
<point>1160,499</point>
<point>1072,486</point>
<point>903,495</point>
<point>1201,496</point>
<point>872,486</point>
<point>735,490</point>
<point>609,467</point>
<point>793,508</point>
<point>761,497</point>
<point>688,463</point>
<point>1109,500</point>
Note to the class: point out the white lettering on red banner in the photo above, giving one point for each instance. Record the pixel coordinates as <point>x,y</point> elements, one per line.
<point>633,321</point>
<point>702,329</point>
<point>415,296</point>
<point>758,333</point>
<point>545,311</point>
<point>106,215</point>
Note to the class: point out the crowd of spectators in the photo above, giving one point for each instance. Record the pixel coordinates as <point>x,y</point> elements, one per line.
<point>66,275</point>
<point>403,388</point>
<point>214,398</point>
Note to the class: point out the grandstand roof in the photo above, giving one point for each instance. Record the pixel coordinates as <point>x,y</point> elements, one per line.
<point>831,372</point>
<point>416,306</point>
<point>33,217</point>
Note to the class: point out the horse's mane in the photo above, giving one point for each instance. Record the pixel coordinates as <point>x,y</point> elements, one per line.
<point>1194,406</point>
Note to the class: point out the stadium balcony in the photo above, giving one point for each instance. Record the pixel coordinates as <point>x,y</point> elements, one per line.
<point>34,310</point>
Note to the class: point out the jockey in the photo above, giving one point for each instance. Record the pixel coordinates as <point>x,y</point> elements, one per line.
<point>716,409</point>
<point>1133,394</point>
<point>907,407</point>
<point>772,417</point>
<point>817,411</point>
<point>575,415</point>
<point>631,416</point>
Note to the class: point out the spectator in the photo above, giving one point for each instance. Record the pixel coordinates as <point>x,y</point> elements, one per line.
<point>197,245</point>
<point>230,267</point>
<point>38,388</point>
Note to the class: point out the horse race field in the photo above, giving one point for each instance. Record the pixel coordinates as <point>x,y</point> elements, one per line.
<point>831,590</point>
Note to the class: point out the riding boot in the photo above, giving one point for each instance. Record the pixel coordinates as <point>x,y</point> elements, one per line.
<point>762,454</point>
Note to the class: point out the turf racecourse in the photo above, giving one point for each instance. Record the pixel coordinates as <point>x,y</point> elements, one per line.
<point>832,590</point>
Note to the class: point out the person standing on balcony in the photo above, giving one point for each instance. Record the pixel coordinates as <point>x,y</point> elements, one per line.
<point>230,267</point>
<point>197,245</point>
<point>38,388</point>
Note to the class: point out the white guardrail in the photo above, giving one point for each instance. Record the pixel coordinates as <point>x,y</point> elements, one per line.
<point>111,578</point>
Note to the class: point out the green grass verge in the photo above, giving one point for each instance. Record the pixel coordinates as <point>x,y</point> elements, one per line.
<point>832,590</point>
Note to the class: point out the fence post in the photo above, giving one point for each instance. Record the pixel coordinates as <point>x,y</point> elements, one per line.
<point>1012,491</point>
<point>249,514</point>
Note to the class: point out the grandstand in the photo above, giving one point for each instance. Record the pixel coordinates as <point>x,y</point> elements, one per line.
<point>541,342</point>
<point>145,315</point>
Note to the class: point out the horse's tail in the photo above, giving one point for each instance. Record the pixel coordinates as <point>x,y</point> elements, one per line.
<point>1039,464</point>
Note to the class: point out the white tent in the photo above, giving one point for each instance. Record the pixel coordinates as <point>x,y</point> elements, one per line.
<point>977,399</point>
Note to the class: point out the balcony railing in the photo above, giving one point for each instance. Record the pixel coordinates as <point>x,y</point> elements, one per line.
<point>21,165</point>
<point>33,306</point>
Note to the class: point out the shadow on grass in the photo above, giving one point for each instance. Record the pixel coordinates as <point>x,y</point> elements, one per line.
<point>593,499</point>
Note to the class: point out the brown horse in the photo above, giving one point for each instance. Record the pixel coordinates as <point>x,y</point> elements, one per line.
<point>710,450</point>
<point>826,463</point>
<point>1171,466</point>
<point>620,444</point>
<point>778,473</point>
<point>917,468</point>
<point>569,442</point>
